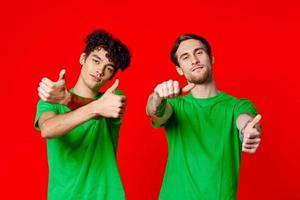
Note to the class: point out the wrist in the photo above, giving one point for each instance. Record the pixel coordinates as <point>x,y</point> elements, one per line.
<point>160,109</point>
<point>242,130</point>
<point>93,109</point>
<point>68,98</point>
<point>156,99</point>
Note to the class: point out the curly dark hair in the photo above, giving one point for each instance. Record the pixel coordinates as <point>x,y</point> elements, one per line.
<point>117,52</point>
<point>188,36</point>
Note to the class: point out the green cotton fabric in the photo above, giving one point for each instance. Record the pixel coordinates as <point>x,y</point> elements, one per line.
<point>82,163</point>
<point>204,148</point>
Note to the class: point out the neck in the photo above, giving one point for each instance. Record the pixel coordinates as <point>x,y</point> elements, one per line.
<point>204,90</point>
<point>82,90</point>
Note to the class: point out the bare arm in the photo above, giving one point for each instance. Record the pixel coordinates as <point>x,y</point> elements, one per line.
<point>157,107</point>
<point>109,105</point>
<point>54,125</point>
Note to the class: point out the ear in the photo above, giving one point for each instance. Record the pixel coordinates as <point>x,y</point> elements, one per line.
<point>179,70</point>
<point>82,58</point>
<point>212,60</point>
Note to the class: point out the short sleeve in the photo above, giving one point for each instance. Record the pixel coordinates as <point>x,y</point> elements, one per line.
<point>43,107</point>
<point>244,106</point>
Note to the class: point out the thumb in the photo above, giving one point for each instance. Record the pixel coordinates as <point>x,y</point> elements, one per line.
<point>187,88</point>
<point>113,87</point>
<point>62,74</point>
<point>256,120</point>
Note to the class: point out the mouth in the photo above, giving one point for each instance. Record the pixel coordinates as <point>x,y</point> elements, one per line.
<point>95,78</point>
<point>198,67</point>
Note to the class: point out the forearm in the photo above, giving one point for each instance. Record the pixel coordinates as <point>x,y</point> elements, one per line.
<point>158,109</point>
<point>61,124</point>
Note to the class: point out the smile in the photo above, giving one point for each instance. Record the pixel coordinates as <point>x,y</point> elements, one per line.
<point>95,78</point>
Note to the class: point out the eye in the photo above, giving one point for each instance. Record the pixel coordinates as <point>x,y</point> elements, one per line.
<point>110,69</point>
<point>184,57</point>
<point>199,52</point>
<point>96,61</point>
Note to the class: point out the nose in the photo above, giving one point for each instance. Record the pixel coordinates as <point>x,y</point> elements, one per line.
<point>195,60</point>
<point>100,73</point>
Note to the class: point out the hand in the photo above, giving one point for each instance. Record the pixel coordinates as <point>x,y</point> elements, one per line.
<point>251,132</point>
<point>110,104</point>
<point>170,89</point>
<point>54,92</point>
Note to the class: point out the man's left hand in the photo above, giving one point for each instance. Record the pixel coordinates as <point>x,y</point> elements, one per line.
<point>252,135</point>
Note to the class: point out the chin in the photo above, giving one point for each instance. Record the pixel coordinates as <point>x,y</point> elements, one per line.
<point>201,80</point>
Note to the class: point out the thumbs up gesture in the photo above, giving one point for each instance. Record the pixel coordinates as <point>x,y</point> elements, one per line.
<point>251,135</point>
<point>54,92</point>
<point>110,105</point>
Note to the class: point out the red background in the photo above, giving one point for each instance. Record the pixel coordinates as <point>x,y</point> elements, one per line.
<point>256,51</point>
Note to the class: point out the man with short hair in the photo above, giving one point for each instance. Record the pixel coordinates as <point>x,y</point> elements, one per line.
<point>82,138</point>
<point>206,129</point>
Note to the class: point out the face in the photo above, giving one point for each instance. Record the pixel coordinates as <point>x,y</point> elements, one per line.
<point>194,63</point>
<point>96,69</point>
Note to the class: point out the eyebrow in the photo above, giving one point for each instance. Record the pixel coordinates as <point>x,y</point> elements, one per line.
<point>200,48</point>
<point>97,57</point>
<point>111,65</point>
<point>182,55</point>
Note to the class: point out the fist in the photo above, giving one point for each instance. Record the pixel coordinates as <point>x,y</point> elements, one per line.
<point>171,89</point>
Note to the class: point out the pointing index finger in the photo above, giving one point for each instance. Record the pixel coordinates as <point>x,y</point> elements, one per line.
<point>187,88</point>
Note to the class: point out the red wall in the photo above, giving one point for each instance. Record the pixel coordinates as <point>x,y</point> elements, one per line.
<point>256,47</point>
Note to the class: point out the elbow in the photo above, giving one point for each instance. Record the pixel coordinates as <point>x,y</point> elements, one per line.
<point>46,132</point>
<point>44,135</point>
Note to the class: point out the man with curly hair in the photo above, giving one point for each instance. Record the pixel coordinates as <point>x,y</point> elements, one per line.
<point>82,125</point>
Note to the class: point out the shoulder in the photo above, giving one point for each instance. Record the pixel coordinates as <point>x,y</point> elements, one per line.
<point>232,99</point>
<point>119,92</point>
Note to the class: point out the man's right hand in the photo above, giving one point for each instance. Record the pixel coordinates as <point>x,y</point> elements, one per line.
<point>158,109</point>
<point>54,92</point>
<point>110,105</point>
<point>170,89</point>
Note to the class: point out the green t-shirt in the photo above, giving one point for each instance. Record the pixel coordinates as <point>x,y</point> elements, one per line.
<point>204,148</point>
<point>82,163</point>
